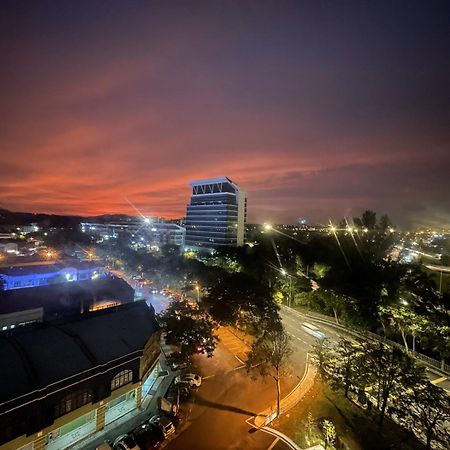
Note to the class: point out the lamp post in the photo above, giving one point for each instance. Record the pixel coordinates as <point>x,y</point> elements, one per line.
<point>283,271</point>
<point>197,288</point>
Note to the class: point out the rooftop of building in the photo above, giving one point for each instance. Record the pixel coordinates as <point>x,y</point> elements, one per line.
<point>65,298</point>
<point>211,181</point>
<point>36,356</point>
<point>43,267</point>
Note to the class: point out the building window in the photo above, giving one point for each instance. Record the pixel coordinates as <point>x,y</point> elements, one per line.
<point>121,379</point>
<point>72,401</point>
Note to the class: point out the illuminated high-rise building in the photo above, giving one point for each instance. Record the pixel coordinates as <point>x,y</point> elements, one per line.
<point>216,214</point>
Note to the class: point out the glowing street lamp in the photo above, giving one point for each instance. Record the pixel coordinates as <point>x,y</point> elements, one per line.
<point>197,288</point>
<point>267,227</point>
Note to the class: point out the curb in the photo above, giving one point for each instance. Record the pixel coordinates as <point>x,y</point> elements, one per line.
<point>282,437</point>
<point>252,420</point>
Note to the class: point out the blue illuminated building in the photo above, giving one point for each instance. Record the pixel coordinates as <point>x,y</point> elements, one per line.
<point>21,277</point>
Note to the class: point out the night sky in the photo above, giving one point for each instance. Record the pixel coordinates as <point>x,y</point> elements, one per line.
<point>318,109</point>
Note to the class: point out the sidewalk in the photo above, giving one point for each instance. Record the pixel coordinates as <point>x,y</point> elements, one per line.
<point>130,421</point>
<point>290,400</point>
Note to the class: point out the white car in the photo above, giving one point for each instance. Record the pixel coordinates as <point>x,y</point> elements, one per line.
<point>191,379</point>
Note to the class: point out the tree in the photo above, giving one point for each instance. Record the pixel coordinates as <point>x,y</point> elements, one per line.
<point>309,424</point>
<point>384,222</point>
<point>405,320</point>
<point>334,302</point>
<point>270,356</point>
<point>321,357</point>
<point>241,300</point>
<point>320,270</point>
<point>393,372</point>
<point>424,409</point>
<point>346,370</point>
<point>369,219</point>
<point>329,432</point>
<point>188,327</point>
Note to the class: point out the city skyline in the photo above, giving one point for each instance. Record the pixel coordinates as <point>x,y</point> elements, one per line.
<point>316,110</point>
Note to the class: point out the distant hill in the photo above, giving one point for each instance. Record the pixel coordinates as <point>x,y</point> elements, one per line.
<point>53,220</point>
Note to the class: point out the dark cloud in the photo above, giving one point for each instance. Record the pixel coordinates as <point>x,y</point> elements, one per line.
<point>318,109</point>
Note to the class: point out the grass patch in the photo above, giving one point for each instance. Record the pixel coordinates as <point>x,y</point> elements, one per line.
<point>355,428</point>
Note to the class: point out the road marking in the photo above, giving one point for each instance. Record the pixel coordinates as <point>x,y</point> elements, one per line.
<point>272,445</point>
<point>237,368</point>
<point>299,339</point>
<point>439,380</point>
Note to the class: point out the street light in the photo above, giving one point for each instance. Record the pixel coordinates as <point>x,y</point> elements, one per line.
<point>197,288</point>
<point>267,227</point>
<point>283,272</point>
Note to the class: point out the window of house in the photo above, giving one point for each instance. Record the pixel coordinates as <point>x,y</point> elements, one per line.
<point>72,401</point>
<point>121,379</point>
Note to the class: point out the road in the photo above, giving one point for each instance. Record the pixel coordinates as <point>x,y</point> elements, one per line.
<point>228,395</point>
<point>292,321</point>
<point>157,300</point>
<point>227,398</point>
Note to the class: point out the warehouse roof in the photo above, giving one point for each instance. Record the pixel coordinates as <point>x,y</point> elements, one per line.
<point>39,355</point>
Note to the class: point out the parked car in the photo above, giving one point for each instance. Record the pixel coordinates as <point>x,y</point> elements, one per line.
<point>164,424</point>
<point>184,391</point>
<point>125,442</point>
<point>193,380</point>
<point>148,436</point>
<point>176,361</point>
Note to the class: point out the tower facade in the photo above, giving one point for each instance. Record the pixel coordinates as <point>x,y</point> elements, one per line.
<point>216,214</point>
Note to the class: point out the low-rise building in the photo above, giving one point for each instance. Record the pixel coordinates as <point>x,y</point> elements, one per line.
<point>151,230</point>
<point>21,306</point>
<point>65,380</point>
<point>32,275</point>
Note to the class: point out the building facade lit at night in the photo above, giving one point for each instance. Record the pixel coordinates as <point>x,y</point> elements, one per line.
<point>216,214</point>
